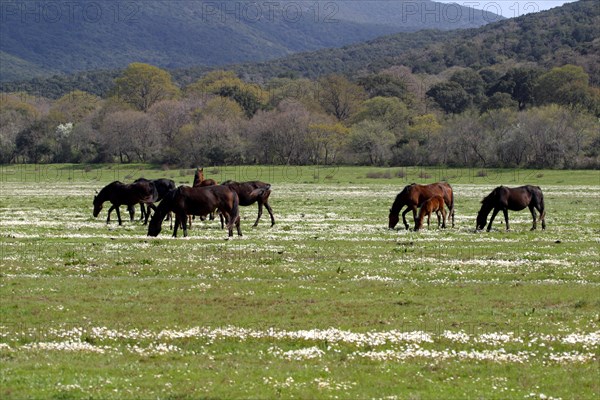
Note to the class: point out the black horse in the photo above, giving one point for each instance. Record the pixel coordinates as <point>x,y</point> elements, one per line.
<point>186,200</point>
<point>514,199</point>
<point>253,192</point>
<point>163,186</point>
<point>119,194</point>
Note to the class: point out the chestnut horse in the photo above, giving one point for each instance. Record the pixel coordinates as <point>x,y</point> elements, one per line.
<point>514,199</point>
<point>199,181</point>
<point>186,200</point>
<point>119,194</point>
<point>253,192</point>
<point>413,195</point>
<point>433,204</point>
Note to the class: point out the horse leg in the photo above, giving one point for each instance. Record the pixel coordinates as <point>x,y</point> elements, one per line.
<point>177,222</point>
<point>150,206</point>
<point>404,217</point>
<point>534,216</point>
<point>437,213</point>
<point>237,225</point>
<point>184,225</point>
<point>131,210</point>
<point>428,220</point>
<point>443,217</point>
<point>270,210</point>
<point>260,209</point>
<point>118,215</point>
<point>108,216</point>
<point>505,211</point>
<point>142,212</point>
<point>489,227</point>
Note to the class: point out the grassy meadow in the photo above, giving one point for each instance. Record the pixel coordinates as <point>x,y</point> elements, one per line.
<point>328,303</point>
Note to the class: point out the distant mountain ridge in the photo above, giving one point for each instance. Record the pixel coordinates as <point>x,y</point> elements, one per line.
<point>38,38</point>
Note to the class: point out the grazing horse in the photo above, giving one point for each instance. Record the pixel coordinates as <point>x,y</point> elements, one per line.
<point>186,200</point>
<point>413,195</point>
<point>121,194</point>
<point>163,186</point>
<point>253,192</point>
<point>514,199</point>
<point>433,204</point>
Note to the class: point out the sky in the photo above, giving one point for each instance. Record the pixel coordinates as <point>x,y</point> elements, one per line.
<point>510,8</point>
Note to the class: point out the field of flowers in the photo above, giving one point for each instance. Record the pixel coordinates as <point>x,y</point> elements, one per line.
<point>328,303</point>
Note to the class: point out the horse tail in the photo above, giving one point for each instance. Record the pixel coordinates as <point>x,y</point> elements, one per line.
<point>260,192</point>
<point>541,204</point>
<point>235,209</point>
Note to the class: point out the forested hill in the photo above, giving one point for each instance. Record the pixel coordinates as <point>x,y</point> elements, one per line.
<point>567,34</point>
<point>46,38</point>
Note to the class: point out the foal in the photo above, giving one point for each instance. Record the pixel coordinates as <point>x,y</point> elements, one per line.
<point>433,204</point>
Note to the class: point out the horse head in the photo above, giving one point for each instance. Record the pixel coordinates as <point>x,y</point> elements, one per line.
<point>97,206</point>
<point>481,220</point>
<point>155,225</point>
<point>394,218</point>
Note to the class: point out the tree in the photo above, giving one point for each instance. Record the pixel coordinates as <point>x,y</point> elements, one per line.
<point>74,106</point>
<point>226,84</point>
<point>384,85</point>
<point>15,116</point>
<point>497,101</point>
<point>142,85</point>
<point>450,96</point>
<point>389,110</point>
<point>372,141</point>
<point>340,97</point>
<point>567,85</point>
<point>326,140</point>
<point>519,83</point>
<point>472,83</point>
<point>131,135</point>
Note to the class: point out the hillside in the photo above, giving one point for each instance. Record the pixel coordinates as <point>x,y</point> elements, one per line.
<point>47,38</point>
<point>567,34</point>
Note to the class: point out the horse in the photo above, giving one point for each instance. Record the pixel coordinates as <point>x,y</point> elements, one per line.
<point>514,199</point>
<point>199,181</point>
<point>413,195</point>
<point>433,204</point>
<point>119,194</point>
<point>163,186</point>
<point>186,200</point>
<point>253,192</point>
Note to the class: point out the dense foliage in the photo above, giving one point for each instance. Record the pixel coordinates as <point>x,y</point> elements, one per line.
<point>524,117</point>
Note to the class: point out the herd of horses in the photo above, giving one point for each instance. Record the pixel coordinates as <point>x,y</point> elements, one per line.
<point>206,196</point>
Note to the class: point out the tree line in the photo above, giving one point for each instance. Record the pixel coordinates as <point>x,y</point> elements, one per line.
<point>520,116</point>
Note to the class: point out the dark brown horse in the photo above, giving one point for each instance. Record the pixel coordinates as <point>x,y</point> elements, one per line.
<point>514,199</point>
<point>253,192</point>
<point>413,195</point>
<point>186,200</point>
<point>121,194</point>
<point>433,204</point>
<point>163,186</point>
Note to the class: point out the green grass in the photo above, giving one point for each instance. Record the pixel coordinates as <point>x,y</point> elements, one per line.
<point>299,310</point>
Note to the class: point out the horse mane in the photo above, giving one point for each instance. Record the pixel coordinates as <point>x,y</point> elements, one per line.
<point>102,192</point>
<point>398,202</point>
<point>490,197</point>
